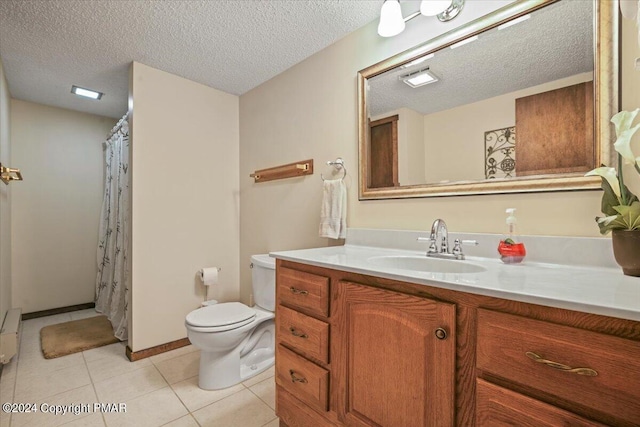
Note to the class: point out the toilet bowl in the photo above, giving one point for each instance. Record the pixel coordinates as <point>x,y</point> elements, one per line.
<point>236,342</point>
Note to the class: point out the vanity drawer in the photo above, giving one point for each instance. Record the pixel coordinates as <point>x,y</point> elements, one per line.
<point>507,346</point>
<point>303,333</point>
<point>307,291</point>
<point>302,378</point>
<point>497,406</point>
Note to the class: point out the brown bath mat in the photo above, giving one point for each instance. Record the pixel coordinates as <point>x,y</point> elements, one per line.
<point>75,336</point>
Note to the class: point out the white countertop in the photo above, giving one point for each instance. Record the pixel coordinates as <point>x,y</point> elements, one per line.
<point>596,290</point>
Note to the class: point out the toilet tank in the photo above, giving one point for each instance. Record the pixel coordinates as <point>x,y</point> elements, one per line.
<point>263,281</point>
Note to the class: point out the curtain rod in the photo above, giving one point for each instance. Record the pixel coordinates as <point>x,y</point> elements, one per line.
<point>118,125</point>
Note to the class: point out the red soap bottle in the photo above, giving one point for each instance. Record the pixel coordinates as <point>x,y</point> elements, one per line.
<point>511,251</point>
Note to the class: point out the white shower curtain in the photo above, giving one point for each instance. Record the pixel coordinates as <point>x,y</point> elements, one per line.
<point>113,242</point>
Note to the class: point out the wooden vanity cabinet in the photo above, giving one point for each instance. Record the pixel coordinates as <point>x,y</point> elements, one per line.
<point>379,352</point>
<point>396,358</point>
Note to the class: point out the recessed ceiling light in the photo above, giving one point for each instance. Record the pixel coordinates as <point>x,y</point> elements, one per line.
<point>87,93</point>
<point>514,22</point>
<point>419,78</point>
<point>463,42</point>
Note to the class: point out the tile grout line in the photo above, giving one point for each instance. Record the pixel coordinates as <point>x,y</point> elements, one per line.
<point>93,385</point>
<point>270,421</point>
<point>261,399</point>
<point>15,384</point>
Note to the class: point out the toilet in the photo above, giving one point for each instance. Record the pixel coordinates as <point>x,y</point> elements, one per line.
<point>236,342</point>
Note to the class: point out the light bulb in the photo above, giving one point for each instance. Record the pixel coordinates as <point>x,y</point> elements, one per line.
<point>434,7</point>
<point>391,20</point>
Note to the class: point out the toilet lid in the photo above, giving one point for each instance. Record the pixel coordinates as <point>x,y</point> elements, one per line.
<point>224,314</point>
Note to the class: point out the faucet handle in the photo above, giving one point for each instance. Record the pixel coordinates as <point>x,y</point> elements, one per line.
<point>457,246</point>
<point>432,244</point>
<point>457,249</point>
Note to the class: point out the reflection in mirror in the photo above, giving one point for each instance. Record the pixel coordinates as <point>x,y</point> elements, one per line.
<point>503,104</point>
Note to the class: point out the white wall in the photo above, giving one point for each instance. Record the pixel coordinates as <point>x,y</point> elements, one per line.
<point>448,136</point>
<point>185,200</point>
<point>310,111</point>
<point>5,199</point>
<point>56,209</point>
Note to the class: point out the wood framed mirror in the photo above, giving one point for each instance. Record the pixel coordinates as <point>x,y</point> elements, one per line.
<point>518,100</point>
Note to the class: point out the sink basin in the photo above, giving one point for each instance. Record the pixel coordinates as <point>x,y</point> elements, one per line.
<point>429,265</point>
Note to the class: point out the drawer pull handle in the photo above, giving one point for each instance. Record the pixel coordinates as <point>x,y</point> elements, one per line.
<point>297,333</point>
<point>298,291</point>
<point>555,365</point>
<point>295,378</point>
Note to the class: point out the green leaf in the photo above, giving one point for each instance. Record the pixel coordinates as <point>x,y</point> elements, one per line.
<point>606,227</point>
<point>629,215</point>
<point>609,199</point>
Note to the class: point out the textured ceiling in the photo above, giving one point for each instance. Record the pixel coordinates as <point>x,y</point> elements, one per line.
<point>231,45</point>
<point>556,42</point>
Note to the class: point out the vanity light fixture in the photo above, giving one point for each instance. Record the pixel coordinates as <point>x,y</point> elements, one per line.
<point>392,23</point>
<point>419,78</point>
<point>87,93</point>
<point>463,42</point>
<point>514,22</point>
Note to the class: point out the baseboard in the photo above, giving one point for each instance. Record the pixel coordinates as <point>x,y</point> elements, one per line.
<point>51,312</point>
<point>152,351</point>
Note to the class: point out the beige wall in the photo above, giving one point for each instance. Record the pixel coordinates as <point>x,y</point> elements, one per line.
<point>449,136</point>
<point>185,200</point>
<point>310,110</point>
<point>56,209</point>
<point>5,199</point>
<point>631,91</point>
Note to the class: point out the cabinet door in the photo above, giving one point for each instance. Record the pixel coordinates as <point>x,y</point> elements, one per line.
<point>396,367</point>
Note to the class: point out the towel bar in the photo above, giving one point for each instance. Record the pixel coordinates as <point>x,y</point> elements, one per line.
<point>289,170</point>
<point>9,174</point>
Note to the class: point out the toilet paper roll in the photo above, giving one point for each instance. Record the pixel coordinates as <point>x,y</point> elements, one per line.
<point>209,276</point>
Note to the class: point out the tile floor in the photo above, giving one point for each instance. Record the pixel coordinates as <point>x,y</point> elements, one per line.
<point>159,391</point>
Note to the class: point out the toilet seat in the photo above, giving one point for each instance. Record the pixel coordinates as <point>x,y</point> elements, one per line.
<point>220,317</point>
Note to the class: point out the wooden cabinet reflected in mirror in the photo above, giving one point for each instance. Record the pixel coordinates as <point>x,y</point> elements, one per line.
<point>555,131</point>
<point>529,74</point>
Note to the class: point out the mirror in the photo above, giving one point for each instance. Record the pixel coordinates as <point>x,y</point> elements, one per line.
<point>516,101</point>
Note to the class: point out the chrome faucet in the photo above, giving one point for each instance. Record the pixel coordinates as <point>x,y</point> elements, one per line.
<point>440,232</point>
<point>439,227</point>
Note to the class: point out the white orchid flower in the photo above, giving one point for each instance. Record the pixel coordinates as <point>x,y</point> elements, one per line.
<point>623,145</point>
<point>610,175</point>
<point>625,132</point>
<point>623,120</point>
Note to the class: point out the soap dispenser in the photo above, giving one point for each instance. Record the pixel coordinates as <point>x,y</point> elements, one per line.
<point>510,250</point>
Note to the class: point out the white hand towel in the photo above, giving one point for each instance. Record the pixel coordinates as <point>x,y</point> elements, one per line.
<point>333,212</point>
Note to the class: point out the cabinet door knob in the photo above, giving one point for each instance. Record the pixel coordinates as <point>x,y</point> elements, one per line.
<point>297,333</point>
<point>441,334</point>
<point>295,378</point>
<point>559,366</point>
<point>298,291</point>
